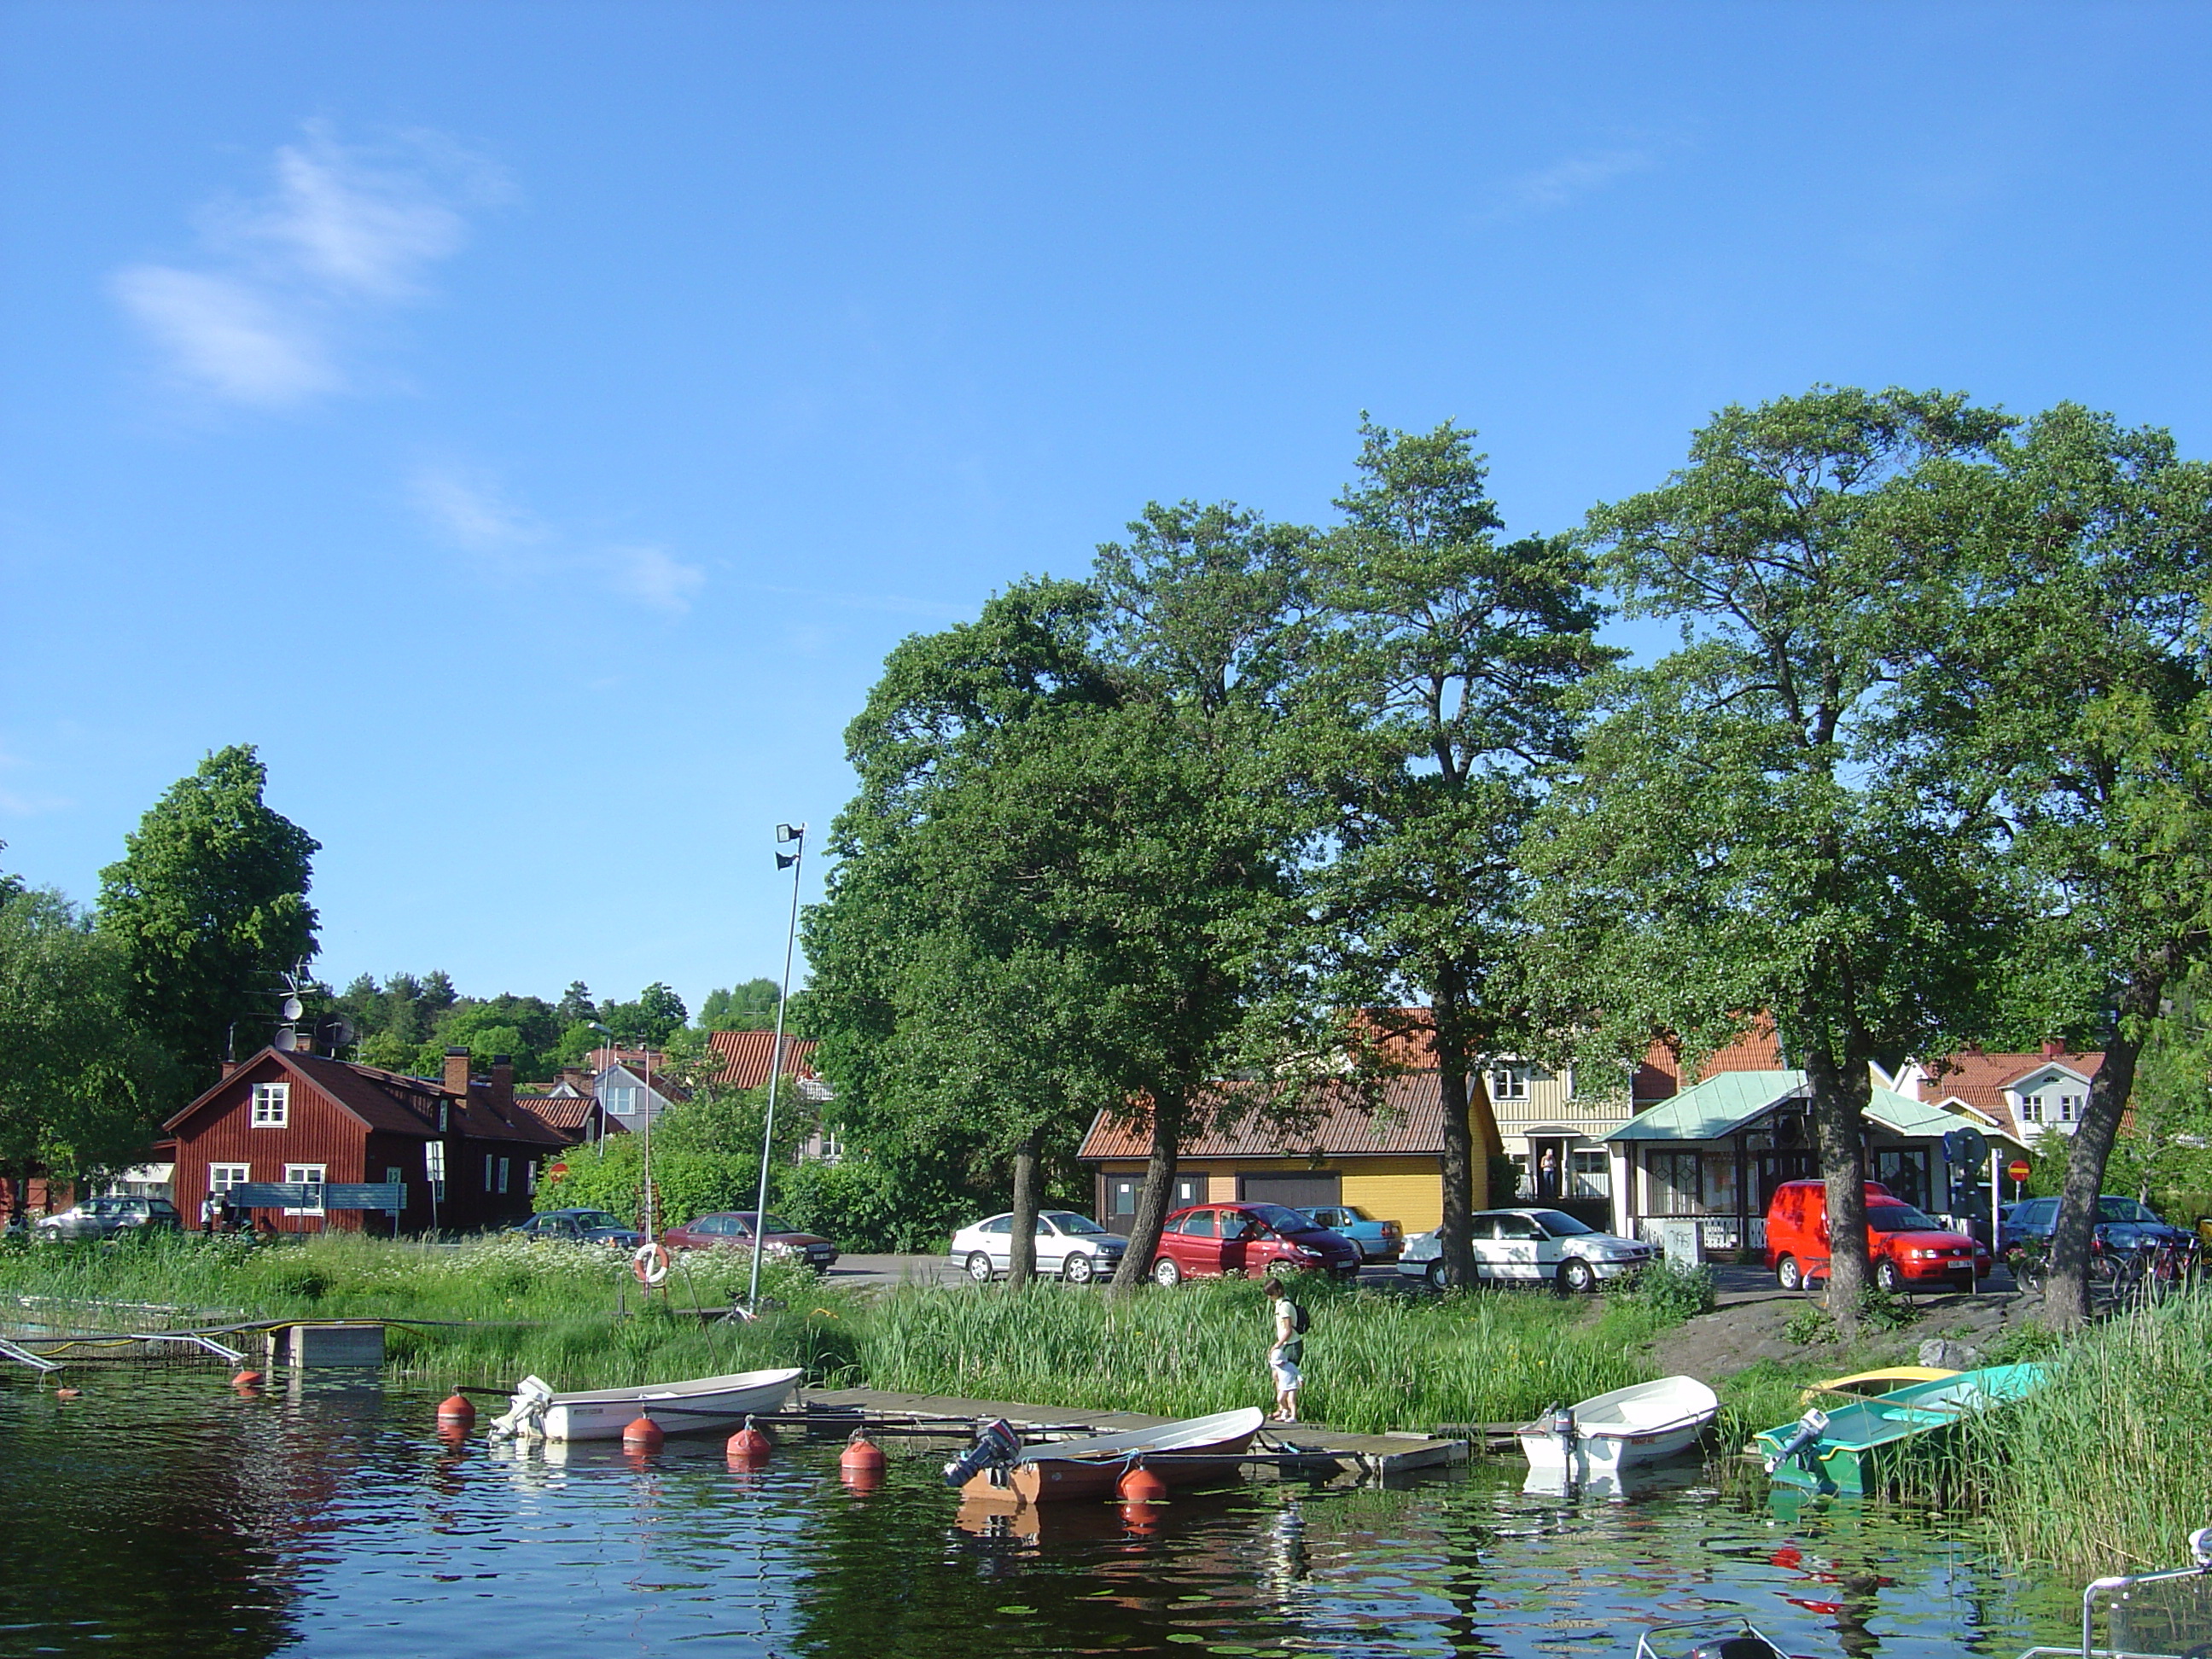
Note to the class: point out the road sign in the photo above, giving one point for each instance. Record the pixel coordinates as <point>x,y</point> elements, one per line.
<point>2017,1171</point>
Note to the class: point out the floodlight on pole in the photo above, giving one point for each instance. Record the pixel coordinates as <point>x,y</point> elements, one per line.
<point>793,836</point>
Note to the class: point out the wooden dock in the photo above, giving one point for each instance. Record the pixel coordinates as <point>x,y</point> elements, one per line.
<point>1372,1456</point>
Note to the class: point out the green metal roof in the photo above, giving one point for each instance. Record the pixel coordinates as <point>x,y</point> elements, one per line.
<point>1725,1103</point>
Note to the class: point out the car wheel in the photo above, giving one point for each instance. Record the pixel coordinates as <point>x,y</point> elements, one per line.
<point>1887,1276</point>
<point>1079,1268</point>
<point>1166,1274</point>
<point>979,1267</point>
<point>1788,1274</point>
<point>1436,1275</point>
<point>1577,1278</point>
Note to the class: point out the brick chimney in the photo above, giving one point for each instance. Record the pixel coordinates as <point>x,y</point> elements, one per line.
<point>502,1083</point>
<point>2053,1048</point>
<point>457,1073</point>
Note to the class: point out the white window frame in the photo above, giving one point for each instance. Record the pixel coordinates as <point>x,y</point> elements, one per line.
<point>488,1163</point>
<point>297,1173</point>
<point>221,1178</point>
<point>504,1164</point>
<point>433,1168</point>
<point>2031,1108</point>
<point>272,1105</point>
<point>1508,1082</point>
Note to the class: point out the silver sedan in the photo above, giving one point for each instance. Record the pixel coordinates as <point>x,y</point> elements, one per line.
<point>1073,1247</point>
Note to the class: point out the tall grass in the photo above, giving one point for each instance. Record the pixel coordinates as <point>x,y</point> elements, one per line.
<point>2108,1466</point>
<point>494,1310</point>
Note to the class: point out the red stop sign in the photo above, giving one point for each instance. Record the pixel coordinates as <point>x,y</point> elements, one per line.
<point>2016,1171</point>
<point>556,1170</point>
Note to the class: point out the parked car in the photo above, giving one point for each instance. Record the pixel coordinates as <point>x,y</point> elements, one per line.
<point>1532,1246</point>
<point>1208,1240</point>
<point>1378,1240</point>
<point>1905,1249</point>
<point>1071,1246</point>
<point>581,1226</point>
<point>2122,1224</point>
<point>734,1229</point>
<point>109,1217</point>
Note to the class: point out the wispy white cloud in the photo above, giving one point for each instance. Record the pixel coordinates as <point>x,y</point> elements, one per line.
<point>471,510</point>
<point>650,577</point>
<point>1570,177</point>
<point>258,318</point>
<point>474,511</point>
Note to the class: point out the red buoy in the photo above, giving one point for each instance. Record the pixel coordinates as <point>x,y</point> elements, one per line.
<point>861,1456</point>
<point>454,1412</point>
<point>1141,1518</point>
<point>1141,1485</point>
<point>642,1435</point>
<point>749,1446</point>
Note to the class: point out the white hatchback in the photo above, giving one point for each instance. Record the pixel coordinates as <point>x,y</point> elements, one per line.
<point>1073,1247</point>
<point>1532,1246</point>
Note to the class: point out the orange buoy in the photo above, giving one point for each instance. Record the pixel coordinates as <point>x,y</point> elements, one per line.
<point>749,1446</point>
<point>1141,1518</point>
<point>861,1456</point>
<point>1141,1485</point>
<point>454,1412</point>
<point>247,1380</point>
<point>642,1435</point>
<point>67,1394</point>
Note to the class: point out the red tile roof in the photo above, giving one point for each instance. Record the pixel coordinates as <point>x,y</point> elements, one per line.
<point>1407,1118</point>
<point>1757,1048</point>
<point>1980,1079</point>
<point>744,1057</point>
<point>566,1112</point>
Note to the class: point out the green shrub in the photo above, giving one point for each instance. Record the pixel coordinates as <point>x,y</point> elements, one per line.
<point>1673,1293</point>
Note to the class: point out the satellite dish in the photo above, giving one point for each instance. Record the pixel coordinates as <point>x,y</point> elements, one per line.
<point>291,1008</point>
<point>286,1039</point>
<point>334,1032</point>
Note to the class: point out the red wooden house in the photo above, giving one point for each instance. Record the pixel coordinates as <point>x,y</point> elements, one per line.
<point>466,1153</point>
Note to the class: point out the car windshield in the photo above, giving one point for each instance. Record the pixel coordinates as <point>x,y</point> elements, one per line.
<point>1561,1224</point>
<point>1281,1219</point>
<point>1898,1219</point>
<point>595,1218</point>
<point>1082,1226</point>
<point>2123,1209</point>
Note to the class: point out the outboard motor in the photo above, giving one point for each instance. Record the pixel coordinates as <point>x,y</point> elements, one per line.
<point>1810,1428</point>
<point>996,1448</point>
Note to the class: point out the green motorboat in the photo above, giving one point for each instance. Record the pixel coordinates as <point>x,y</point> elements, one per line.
<point>1844,1451</point>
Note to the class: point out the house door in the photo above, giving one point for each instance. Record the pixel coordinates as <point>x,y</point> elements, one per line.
<point>1547,1180</point>
<point>1121,1192</point>
<point>1770,1169</point>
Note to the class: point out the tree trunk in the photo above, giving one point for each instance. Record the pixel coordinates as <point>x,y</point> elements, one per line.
<point>1840,1091</point>
<point>1152,1198</point>
<point>1021,1248</point>
<point>2066,1288</point>
<point>1466,1177</point>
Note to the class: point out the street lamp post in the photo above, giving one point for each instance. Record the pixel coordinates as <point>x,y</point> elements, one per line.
<point>795,837</point>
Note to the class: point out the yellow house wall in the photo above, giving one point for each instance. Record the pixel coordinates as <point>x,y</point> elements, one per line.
<point>1407,1190</point>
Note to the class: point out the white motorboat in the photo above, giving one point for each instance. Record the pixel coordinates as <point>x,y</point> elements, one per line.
<point>1597,1438</point>
<point>538,1412</point>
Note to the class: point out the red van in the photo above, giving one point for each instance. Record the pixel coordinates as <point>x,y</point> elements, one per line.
<point>1905,1249</point>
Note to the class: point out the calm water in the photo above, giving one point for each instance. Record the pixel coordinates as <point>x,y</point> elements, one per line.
<point>162,1513</point>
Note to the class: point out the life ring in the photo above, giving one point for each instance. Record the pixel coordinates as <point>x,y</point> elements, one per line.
<point>650,1264</point>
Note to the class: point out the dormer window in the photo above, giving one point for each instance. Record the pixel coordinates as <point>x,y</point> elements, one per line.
<point>272,1105</point>
<point>1509,1083</point>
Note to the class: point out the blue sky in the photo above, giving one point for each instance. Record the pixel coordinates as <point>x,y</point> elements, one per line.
<point>531,424</point>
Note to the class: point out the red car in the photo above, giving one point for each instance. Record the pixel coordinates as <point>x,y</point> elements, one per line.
<point>733,1228</point>
<point>1905,1249</point>
<point>1208,1240</point>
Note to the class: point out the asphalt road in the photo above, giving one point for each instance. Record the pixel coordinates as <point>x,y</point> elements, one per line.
<point>940,1270</point>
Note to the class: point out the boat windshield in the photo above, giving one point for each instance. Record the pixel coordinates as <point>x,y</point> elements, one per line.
<point>1082,1226</point>
<point>596,1218</point>
<point>1559,1223</point>
<point>1898,1219</point>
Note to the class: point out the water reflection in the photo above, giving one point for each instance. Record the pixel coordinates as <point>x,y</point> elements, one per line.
<point>165,1510</point>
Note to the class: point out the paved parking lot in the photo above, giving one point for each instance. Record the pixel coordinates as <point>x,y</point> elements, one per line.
<point>940,1270</point>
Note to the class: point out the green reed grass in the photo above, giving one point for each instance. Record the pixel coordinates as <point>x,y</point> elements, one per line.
<point>2108,1466</point>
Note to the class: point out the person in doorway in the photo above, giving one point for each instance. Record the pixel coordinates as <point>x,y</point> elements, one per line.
<point>1547,1174</point>
<point>1287,1355</point>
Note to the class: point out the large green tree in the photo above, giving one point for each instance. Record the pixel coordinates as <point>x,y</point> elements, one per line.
<point>209,904</point>
<point>1436,696</point>
<point>1740,834</point>
<point>2071,661</point>
<point>81,1084</point>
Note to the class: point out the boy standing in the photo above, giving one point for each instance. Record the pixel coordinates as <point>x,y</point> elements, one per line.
<point>1289,1350</point>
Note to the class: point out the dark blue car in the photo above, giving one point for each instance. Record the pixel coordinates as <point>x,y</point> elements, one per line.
<point>581,1226</point>
<point>2122,1224</point>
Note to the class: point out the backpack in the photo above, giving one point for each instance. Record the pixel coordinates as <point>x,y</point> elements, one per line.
<point>1301,1322</point>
